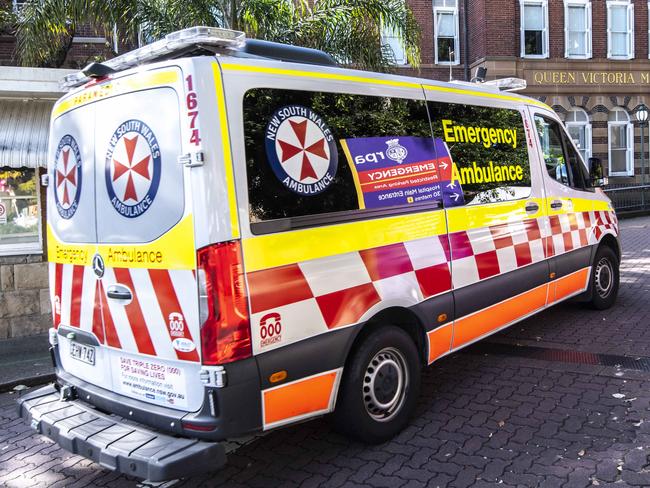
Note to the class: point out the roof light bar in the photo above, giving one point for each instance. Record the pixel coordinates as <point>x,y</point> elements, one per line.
<point>508,84</point>
<point>174,42</point>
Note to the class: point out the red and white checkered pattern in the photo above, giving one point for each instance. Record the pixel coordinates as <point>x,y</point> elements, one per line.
<point>141,326</point>
<point>315,296</point>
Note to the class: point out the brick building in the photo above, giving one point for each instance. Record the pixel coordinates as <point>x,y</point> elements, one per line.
<point>589,60</point>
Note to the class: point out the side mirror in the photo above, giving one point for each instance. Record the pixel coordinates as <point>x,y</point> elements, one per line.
<point>596,173</point>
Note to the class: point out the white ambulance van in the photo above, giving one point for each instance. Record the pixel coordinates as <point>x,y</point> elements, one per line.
<point>242,236</point>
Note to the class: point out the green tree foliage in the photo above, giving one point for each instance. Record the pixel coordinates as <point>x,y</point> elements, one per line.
<point>350,30</point>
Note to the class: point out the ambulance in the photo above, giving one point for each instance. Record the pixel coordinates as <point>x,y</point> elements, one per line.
<point>243,235</point>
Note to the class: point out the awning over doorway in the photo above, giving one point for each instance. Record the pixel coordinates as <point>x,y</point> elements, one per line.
<point>24,127</point>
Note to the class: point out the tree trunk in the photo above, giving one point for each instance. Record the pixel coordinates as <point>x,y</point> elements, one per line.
<point>233,15</point>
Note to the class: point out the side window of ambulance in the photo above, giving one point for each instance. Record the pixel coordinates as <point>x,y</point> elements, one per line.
<point>562,161</point>
<point>315,157</point>
<point>550,139</point>
<point>488,151</point>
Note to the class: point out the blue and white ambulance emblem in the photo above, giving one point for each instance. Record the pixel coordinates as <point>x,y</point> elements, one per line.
<point>67,176</point>
<point>132,168</point>
<point>301,150</point>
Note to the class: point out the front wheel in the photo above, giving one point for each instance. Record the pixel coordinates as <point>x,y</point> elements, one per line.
<point>380,387</point>
<point>604,278</point>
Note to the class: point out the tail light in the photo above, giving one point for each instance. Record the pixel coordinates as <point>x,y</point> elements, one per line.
<point>223,307</point>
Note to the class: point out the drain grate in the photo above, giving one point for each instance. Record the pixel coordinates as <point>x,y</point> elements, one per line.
<point>560,355</point>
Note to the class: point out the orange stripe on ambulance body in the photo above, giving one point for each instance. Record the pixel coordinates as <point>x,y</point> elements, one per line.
<point>302,398</point>
<point>472,327</point>
<point>439,341</point>
<point>568,285</point>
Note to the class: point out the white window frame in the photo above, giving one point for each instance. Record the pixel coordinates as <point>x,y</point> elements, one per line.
<point>630,25</point>
<point>454,12</point>
<point>629,155</point>
<point>588,132</point>
<point>586,4</point>
<point>522,40</point>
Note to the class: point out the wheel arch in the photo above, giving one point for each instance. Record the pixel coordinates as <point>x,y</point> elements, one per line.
<point>611,241</point>
<point>402,317</point>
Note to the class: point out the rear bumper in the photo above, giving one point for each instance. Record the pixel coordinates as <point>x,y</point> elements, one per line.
<point>116,443</point>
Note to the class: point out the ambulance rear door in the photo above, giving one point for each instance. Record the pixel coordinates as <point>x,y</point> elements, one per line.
<point>144,261</point>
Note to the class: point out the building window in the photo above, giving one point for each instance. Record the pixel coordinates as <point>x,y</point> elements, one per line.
<point>446,28</point>
<point>620,30</point>
<point>577,29</point>
<point>18,5</point>
<point>534,28</point>
<point>395,44</point>
<point>579,128</point>
<point>620,143</point>
<point>20,211</point>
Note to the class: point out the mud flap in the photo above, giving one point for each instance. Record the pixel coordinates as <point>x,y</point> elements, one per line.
<point>113,442</point>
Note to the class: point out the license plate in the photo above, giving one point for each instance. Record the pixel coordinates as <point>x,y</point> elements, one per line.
<point>83,353</point>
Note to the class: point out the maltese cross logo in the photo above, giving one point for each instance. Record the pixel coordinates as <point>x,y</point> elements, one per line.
<point>130,169</point>
<point>133,168</point>
<point>67,176</point>
<point>303,151</point>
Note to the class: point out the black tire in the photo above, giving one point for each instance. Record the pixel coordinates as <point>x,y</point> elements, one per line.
<point>372,406</point>
<point>604,278</point>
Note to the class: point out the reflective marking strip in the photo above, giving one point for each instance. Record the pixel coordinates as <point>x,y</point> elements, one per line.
<point>58,276</point>
<point>271,250</point>
<point>88,299</point>
<point>66,294</point>
<point>378,81</point>
<point>168,302</point>
<point>227,156</point>
<point>134,314</point>
<point>481,323</point>
<point>300,399</point>
<point>460,91</point>
<point>568,285</point>
<point>156,323</point>
<point>75,299</point>
<point>117,311</point>
<point>119,86</point>
<point>98,326</point>
<point>440,341</point>
<point>112,338</point>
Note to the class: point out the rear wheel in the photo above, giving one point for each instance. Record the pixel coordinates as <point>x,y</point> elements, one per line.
<point>380,386</point>
<point>604,278</point>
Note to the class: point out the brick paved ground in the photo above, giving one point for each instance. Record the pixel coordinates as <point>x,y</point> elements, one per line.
<point>482,420</point>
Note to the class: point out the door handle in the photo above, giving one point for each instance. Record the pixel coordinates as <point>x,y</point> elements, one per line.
<point>556,204</point>
<point>119,292</point>
<point>531,207</point>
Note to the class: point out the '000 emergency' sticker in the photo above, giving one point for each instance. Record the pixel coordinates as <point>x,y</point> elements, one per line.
<point>301,150</point>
